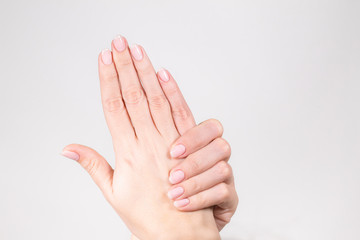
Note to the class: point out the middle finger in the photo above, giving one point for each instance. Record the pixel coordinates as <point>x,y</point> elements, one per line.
<point>131,89</point>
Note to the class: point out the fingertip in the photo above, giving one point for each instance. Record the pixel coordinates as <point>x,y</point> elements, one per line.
<point>177,150</point>
<point>163,75</point>
<point>106,56</point>
<point>71,155</point>
<point>216,124</point>
<point>181,203</point>
<point>176,176</point>
<point>119,43</point>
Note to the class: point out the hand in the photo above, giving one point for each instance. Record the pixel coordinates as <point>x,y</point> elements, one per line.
<point>142,129</point>
<point>204,178</point>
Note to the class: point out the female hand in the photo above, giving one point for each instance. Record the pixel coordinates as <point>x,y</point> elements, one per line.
<point>204,178</point>
<point>142,129</point>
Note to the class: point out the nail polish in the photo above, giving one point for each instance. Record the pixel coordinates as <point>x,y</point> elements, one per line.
<point>164,76</point>
<point>106,56</point>
<point>181,203</point>
<point>177,150</point>
<point>176,177</point>
<point>136,52</point>
<point>119,43</point>
<point>175,193</point>
<point>72,155</point>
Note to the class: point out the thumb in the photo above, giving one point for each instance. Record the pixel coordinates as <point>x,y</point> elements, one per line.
<point>95,164</point>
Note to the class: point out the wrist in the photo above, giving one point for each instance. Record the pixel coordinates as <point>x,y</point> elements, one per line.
<point>190,226</point>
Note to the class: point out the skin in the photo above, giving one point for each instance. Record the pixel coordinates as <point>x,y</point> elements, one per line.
<point>206,155</point>
<point>145,121</point>
<point>208,178</point>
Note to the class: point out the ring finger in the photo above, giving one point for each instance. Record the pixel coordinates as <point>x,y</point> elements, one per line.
<point>221,172</point>
<point>201,160</point>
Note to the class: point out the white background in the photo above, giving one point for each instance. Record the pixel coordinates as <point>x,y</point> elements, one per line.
<point>282,76</point>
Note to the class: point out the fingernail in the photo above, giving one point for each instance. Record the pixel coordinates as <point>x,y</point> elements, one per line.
<point>177,150</point>
<point>181,203</point>
<point>71,155</point>
<point>164,76</point>
<point>106,56</point>
<point>119,43</point>
<point>176,177</point>
<point>136,52</point>
<point>175,193</point>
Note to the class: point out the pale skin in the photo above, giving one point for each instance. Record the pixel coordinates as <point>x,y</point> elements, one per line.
<point>147,116</point>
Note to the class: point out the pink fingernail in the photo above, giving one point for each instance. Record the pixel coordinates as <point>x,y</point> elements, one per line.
<point>177,150</point>
<point>176,177</point>
<point>106,56</point>
<point>136,52</point>
<point>164,76</point>
<point>119,43</point>
<point>175,193</point>
<point>71,155</point>
<point>181,203</point>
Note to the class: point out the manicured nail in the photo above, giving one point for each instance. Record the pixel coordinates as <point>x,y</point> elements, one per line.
<point>176,177</point>
<point>119,43</point>
<point>164,76</point>
<point>175,193</point>
<point>106,56</point>
<point>136,52</point>
<point>71,155</point>
<point>181,203</point>
<point>177,150</point>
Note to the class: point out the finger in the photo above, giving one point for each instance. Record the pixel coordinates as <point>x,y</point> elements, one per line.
<point>220,172</point>
<point>225,210</point>
<point>217,195</point>
<point>131,89</point>
<point>200,161</point>
<point>183,118</point>
<point>196,138</point>
<point>158,104</point>
<point>223,196</point>
<point>115,112</point>
<point>97,167</point>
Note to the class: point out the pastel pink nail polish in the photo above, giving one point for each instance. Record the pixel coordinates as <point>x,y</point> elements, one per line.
<point>71,155</point>
<point>106,56</point>
<point>164,76</point>
<point>119,43</point>
<point>175,193</point>
<point>136,52</point>
<point>181,203</point>
<point>176,177</point>
<point>177,150</point>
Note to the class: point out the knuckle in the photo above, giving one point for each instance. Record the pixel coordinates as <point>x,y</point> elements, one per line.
<point>226,217</point>
<point>224,146</point>
<point>216,124</point>
<point>236,200</point>
<point>172,91</point>
<point>224,169</point>
<point>157,101</point>
<point>114,104</point>
<point>180,112</point>
<point>91,165</point>
<point>124,63</point>
<point>110,76</point>
<point>146,70</point>
<point>133,95</point>
<point>193,165</point>
<point>201,200</point>
<point>194,186</point>
<point>224,191</point>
